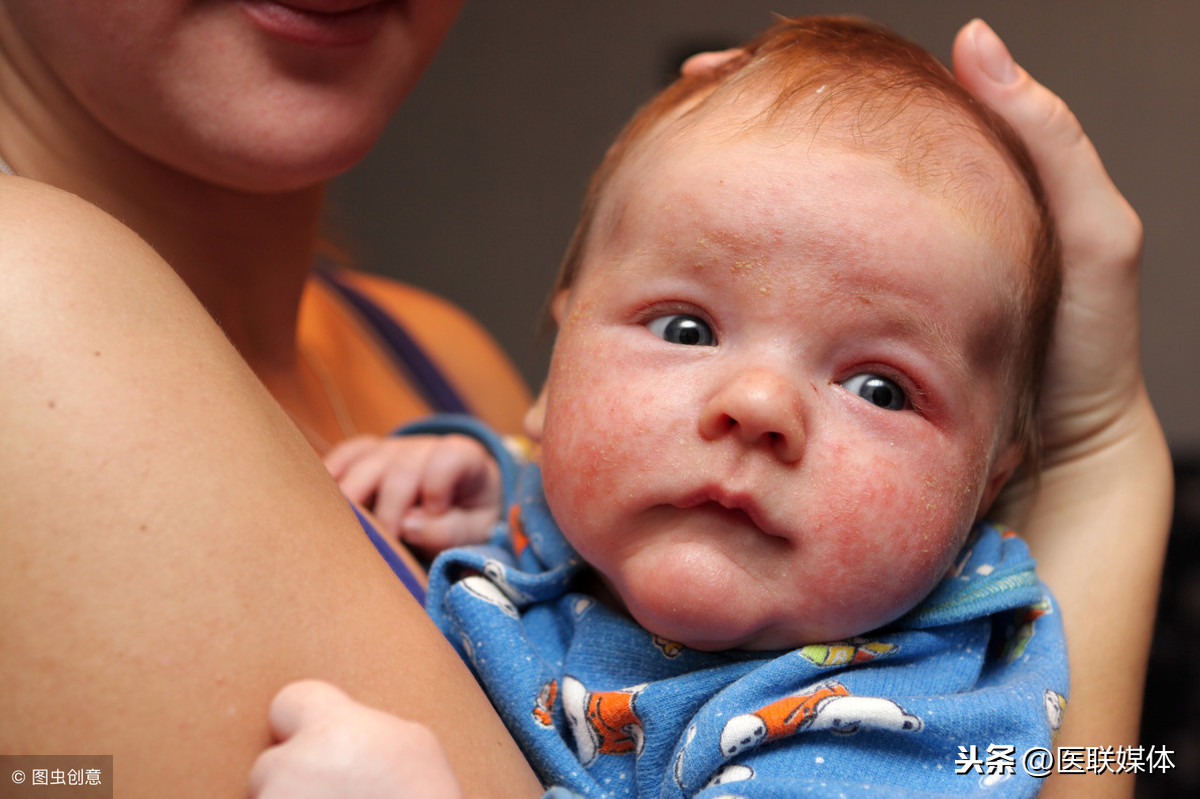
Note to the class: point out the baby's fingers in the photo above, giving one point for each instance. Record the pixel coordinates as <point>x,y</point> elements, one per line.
<point>456,527</point>
<point>460,473</point>
<point>282,770</point>
<point>346,453</point>
<point>302,703</point>
<point>398,495</point>
<point>387,475</point>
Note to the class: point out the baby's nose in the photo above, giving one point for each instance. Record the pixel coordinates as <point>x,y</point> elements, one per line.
<point>760,408</point>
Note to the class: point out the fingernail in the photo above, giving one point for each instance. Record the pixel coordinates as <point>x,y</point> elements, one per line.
<point>997,62</point>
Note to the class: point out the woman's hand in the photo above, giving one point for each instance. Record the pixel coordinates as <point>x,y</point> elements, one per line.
<point>1099,523</point>
<point>1094,375</point>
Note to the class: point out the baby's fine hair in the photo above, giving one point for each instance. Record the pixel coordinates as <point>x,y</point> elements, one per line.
<point>866,87</point>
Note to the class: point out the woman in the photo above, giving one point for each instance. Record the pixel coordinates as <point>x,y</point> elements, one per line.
<point>173,553</point>
<point>209,128</point>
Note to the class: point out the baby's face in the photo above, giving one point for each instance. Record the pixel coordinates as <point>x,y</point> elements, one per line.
<point>779,393</point>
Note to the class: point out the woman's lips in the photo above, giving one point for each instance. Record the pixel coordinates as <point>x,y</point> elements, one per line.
<point>324,23</point>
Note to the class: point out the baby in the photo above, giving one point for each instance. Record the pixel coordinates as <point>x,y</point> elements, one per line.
<point>800,334</point>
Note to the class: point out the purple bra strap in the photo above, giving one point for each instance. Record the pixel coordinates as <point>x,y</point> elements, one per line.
<point>406,353</point>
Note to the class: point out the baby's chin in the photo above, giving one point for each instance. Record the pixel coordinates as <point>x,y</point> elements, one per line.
<point>714,626</point>
<point>766,639</point>
<point>705,605</point>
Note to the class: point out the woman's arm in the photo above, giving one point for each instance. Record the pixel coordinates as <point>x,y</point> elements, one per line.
<point>1099,523</point>
<point>173,553</point>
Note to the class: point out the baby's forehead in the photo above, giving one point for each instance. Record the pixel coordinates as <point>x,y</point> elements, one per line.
<point>709,235</point>
<point>932,146</point>
<point>930,139</point>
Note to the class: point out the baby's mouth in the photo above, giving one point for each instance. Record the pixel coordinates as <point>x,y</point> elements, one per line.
<point>735,516</point>
<point>738,510</point>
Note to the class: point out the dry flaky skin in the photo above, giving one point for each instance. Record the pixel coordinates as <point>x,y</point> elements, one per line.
<point>1100,524</point>
<point>173,552</point>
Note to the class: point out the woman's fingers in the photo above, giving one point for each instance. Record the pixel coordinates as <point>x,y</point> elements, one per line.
<point>1093,368</point>
<point>1091,213</point>
<point>712,60</point>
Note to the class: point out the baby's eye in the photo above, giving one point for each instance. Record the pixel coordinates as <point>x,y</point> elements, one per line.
<point>681,328</point>
<point>877,390</point>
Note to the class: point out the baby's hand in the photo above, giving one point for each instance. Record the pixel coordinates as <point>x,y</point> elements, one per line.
<point>330,746</point>
<point>431,492</point>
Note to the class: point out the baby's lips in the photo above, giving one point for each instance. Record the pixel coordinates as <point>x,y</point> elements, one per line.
<point>736,501</point>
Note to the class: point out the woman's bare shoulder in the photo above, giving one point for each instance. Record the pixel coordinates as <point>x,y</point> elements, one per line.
<point>70,272</point>
<point>61,252</point>
<point>174,553</point>
<point>37,219</point>
<point>31,202</point>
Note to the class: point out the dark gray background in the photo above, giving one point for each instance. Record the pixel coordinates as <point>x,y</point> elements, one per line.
<point>474,190</point>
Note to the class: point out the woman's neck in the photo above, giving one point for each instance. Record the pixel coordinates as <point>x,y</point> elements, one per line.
<point>246,256</point>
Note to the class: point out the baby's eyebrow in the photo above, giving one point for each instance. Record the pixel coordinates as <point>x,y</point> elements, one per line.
<point>925,326</point>
<point>895,315</point>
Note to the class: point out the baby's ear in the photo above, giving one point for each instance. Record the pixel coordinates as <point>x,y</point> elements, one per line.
<point>1002,469</point>
<point>535,417</point>
<point>558,306</point>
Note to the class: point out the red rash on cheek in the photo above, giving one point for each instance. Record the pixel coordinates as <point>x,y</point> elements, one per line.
<point>883,535</point>
<point>585,435</point>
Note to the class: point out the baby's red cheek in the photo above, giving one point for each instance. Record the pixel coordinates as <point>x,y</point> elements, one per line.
<point>856,491</point>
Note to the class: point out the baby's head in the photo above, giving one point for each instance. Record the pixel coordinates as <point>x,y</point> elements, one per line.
<point>801,328</point>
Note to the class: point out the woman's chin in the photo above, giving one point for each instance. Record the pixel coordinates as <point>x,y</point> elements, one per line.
<point>278,165</point>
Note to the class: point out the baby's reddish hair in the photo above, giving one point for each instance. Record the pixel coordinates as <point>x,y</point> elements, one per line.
<point>866,87</point>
